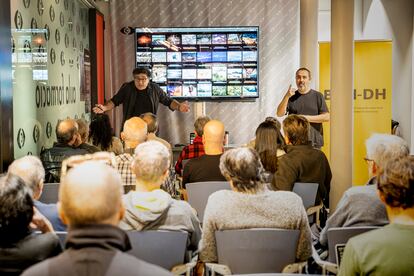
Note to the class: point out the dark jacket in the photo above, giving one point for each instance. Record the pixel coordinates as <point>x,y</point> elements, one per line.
<point>52,160</point>
<point>127,94</point>
<point>303,163</point>
<point>95,250</point>
<point>89,148</point>
<point>32,249</point>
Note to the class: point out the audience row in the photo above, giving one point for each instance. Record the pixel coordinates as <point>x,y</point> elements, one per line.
<point>261,175</point>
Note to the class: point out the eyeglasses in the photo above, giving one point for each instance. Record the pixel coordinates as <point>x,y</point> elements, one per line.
<point>368,160</point>
<point>140,79</point>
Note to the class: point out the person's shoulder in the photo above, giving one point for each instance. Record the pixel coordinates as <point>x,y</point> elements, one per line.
<point>41,245</point>
<point>220,201</point>
<point>316,93</point>
<point>195,161</point>
<point>123,157</point>
<point>221,195</point>
<point>373,238</point>
<point>155,86</point>
<point>285,196</point>
<point>127,84</point>
<point>43,239</point>
<point>39,269</point>
<point>126,264</point>
<point>317,152</point>
<point>290,154</point>
<point>182,206</point>
<point>163,141</point>
<point>363,189</point>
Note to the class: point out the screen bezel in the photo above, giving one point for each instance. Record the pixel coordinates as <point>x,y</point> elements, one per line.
<point>211,31</point>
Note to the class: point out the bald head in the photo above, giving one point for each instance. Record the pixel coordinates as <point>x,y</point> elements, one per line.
<point>213,135</point>
<point>91,193</point>
<point>135,130</point>
<point>31,170</point>
<point>67,132</point>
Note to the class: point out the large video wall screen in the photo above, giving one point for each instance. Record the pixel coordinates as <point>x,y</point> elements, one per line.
<point>201,63</point>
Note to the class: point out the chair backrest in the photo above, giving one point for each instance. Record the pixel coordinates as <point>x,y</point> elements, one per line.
<point>50,193</point>
<point>256,250</point>
<point>307,191</point>
<point>339,236</point>
<point>198,193</point>
<point>163,248</point>
<point>62,237</point>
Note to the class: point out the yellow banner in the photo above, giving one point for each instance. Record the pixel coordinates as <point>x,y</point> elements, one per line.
<point>372,97</point>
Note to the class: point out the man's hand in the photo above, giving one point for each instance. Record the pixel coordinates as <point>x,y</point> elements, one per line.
<point>184,107</point>
<point>40,222</point>
<point>99,109</point>
<point>290,92</point>
<point>281,108</point>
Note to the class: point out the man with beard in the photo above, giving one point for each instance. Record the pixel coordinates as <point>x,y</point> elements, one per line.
<point>308,103</point>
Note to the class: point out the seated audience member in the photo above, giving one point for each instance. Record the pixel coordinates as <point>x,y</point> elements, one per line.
<point>67,139</point>
<point>251,205</point>
<point>152,126</point>
<point>101,135</point>
<point>90,203</point>
<point>360,205</point>
<point>206,167</point>
<point>269,143</point>
<point>19,246</point>
<point>84,137</point>
<point>148,207</point>
<point>278,126</point>
<point>388,250</point>
<point>195,149</point>
<point>30,169</point>
<point>302,163</point>
<point>133,134</point>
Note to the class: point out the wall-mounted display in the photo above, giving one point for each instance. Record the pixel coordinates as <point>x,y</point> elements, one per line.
<point>209,63</point>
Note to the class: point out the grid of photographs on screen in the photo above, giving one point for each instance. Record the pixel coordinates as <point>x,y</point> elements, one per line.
<point>201,63</point>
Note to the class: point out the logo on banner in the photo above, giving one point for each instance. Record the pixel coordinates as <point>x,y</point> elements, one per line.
<point>36,133</point>
<point>52,13</point>
<point>48,130</point>
<point>18,20</point>
<point>21,138</point>
<point>40,7</point>
<point>26,3</point>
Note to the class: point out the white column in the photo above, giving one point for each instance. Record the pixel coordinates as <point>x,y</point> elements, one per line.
<point>309,38</point>
<point>342,85</point>
<point>199,109</point>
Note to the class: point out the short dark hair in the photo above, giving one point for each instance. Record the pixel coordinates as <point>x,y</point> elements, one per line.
<point>65,135</point>
<point>304,69</point>
<point>296,129</point>
<point>199,124</point>
<point>141,70</point>
<point>151,120</point>
<point>16,209</point>
<point>243,167</point>
<point>396,182</point>
<point>100,131</point>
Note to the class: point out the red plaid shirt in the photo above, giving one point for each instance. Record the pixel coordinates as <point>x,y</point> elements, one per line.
<point>193,150</point>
